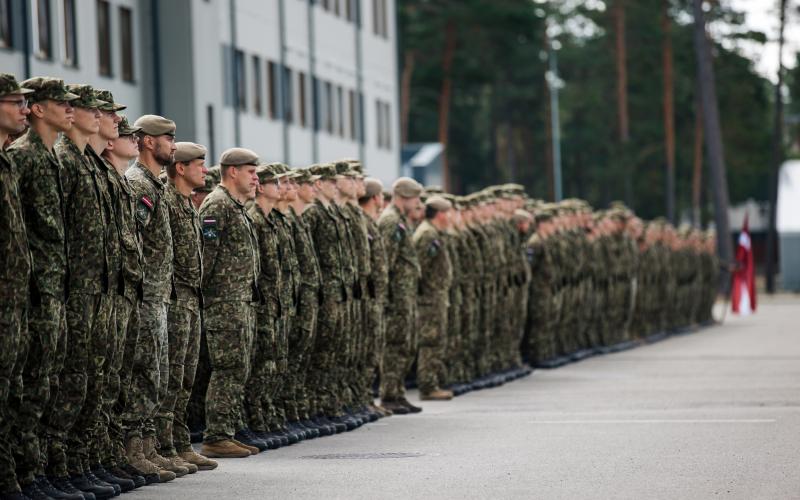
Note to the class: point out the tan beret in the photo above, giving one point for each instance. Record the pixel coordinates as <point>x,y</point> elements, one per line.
<point>406,187</point>
<point>439,203</point>
<point>372,187</point>
<point>521,216</point>
<point>188,151</point>
<point>238,156</point>
<point>155,125</point>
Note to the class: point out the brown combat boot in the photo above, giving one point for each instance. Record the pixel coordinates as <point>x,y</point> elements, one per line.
<point>225,448</point>
<point>178,460</point>
<point>134,451</point>
<point>252,449</point>
<point>150,453</point>
<point>380,410</point>
<point>437,395</point>
<point>395,407</point>
<point>199,461</point>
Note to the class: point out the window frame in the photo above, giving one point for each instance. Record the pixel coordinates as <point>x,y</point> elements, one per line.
<point>104,68</point>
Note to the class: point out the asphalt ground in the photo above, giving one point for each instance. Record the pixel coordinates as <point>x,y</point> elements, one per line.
<point>710,414</point>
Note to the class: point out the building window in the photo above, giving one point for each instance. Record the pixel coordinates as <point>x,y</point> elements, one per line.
<point>70,40</point>
<point>387,125</point>
<point>126,45</point>
<point>5,24</point>
<point>302,92</point>
<point>104,37</point>
<point>340,107</point>
<point>380,25</point>
<point>272,90</point>
<point>44,49</point>
<point>326,4</point>
<point>375,15</point>
<point>288,96</point>
<point>240,83</point>
<point>316,107</point>
<point>336,9</point>
<point>351,102</point>
<point>210,125</point>
<point>360,122</point>
<point>379,122</point>
<point>329,107</point>
<point>257,109</point>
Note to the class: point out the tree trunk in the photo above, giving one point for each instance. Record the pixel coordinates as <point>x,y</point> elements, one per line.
<point>669,109</point>
<point>777,158</point>
<point>405,93</point>
<point>697,172</point>
<point>620,57</point>
<point>551,187</point>
<point>713,135</point>
<point>444,98</point>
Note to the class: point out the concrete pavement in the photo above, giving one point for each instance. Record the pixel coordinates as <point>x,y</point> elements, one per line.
<point>712,414</point>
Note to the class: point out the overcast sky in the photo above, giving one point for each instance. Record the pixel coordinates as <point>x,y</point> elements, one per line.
<point>762,15</point>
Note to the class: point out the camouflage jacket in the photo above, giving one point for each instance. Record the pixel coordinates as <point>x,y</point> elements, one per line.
<point>325,230</point>
<point>306,256</point>
<point>434,262</point>
<point>378,282</point>
<point>15,274</point>
<point>269,279</point>
<point>287,256</point>
<point>401,257</point>
<point>152,218</point>
<point>42,195</point>
<point>112,237</point>
<point>132,259</point>
<point>230,250</point>
<point>187,243</point>
<point>350,262</point>
<point>360,240</point>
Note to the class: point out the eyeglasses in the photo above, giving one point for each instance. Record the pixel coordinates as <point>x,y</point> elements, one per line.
<point>21,103</point>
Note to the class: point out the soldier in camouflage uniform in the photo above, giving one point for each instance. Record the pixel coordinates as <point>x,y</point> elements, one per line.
<point>231,294</point>
<point>436,276</point>
<point>263,385</point>
<point>187,172</point>
<point>151,367</point>
<point>400,312</point>
<point>14,275</point>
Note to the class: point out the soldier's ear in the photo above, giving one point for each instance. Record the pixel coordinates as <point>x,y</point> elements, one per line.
<point>38,109</point>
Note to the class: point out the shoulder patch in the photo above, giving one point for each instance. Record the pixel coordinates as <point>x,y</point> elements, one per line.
<point>210,231</point>
<point>433,249</point>
<point>144,207</point>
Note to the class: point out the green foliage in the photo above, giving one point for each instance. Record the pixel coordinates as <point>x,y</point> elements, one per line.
<point>499,114</point>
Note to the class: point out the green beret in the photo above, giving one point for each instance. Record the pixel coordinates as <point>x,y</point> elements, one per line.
<point>108,97</point>
<point>406,187</point>
<point>125,127</point>
<point>324,171</point>
<point>188,151</point>
<point>236,157</point>
<point>155,125</point>
<point>9,86</point>
<point>86,97</point>
<point>45,88</point>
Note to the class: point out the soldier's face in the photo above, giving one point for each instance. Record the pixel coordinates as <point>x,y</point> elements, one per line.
<point>126,146</point>
<point>291,191</point>
<point>87,120</point>
<point>327,188</point>
<point>306,192</point>
<point>195,172</point>
<point>271,190</point>
<point>57,114</point>
<point>245,180</point>
<point>345,186</point>
<point>109,125</point>
<point>164,149</point>
<point>13,114</point>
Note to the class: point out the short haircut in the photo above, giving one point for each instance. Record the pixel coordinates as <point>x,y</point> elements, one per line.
<point>430,212</point>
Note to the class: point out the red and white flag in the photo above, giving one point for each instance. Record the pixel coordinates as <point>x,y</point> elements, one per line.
<point>744,282</point>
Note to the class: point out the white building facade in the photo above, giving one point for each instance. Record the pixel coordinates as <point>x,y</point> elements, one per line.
<point>298,81</point>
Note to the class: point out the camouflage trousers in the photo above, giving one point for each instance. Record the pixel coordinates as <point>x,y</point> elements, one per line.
<point>401,347</point>
<point>14,328</point>
<point>469,332</point>
<point>183,331</point>
<point>454,340</point>
<point>374,346</point>
<point>431,369</point>
<point>126,316</point>
<point>230,332</point>
<point>322,371</point>
<point>299,341</point>
<point>263,383</point>
<point>537,346</point>
<point>305,325</point>
<point>150,372</point>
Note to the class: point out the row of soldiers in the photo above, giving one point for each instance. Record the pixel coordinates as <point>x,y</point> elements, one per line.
<point>260,304</point>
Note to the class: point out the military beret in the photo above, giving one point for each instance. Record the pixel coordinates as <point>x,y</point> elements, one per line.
<point>235,157</point>
<point>372,187</point>
<point>188,151</point>
<point>125,127</point>
<point>266,174</point>
<point>324,171</point>
<point>155,125</point>
<point>521,216</point>
<point>9,86</point>
<point>406,187</point>
<point>212,179</point>
<point>45,88</point>
<point>344,168</point>
<point>543,215</point>
<point>438,203</point>
<point>434,190</point>
<point>86,98</point>
<point>108,97</point>
<point>303,176</point>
